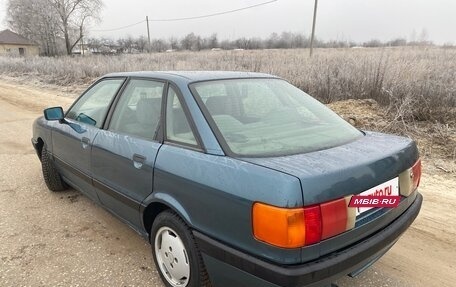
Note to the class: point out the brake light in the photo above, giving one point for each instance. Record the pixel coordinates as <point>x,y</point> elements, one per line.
<point>298,227</point>
<point>335,217</point>
<point>312,221</point>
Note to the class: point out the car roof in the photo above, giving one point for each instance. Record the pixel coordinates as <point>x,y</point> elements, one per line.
<point>192,76</point>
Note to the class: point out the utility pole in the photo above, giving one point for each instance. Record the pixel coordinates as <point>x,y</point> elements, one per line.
<point>148,34</point>
<point>313,28</point>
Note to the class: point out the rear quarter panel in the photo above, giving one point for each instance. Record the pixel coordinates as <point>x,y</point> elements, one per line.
<point>215,194</point>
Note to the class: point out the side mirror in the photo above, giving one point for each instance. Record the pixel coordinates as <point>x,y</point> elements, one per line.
<point>54,114</point>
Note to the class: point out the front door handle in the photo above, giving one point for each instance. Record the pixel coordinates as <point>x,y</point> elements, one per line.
<point>138,160</point>
<point>85,142</point>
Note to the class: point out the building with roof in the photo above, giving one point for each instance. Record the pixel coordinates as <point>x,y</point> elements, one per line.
<point>16,45</point>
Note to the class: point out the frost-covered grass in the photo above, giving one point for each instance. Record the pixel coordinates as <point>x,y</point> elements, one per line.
<point>414,83</point>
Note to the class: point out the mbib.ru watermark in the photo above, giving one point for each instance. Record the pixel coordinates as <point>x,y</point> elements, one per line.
<point>375,201</point>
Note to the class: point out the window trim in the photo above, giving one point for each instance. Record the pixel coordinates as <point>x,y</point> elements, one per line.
<point>157,138</point>
<point>199,143</point>
<point>105,118</point>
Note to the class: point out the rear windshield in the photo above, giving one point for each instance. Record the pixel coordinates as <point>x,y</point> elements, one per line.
<point>269,117</point>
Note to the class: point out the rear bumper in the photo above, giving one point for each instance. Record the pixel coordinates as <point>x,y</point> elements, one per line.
<point>226,266</point>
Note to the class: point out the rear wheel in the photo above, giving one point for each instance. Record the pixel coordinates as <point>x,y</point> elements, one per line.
<point>175,253</point>
<point>51,176</point>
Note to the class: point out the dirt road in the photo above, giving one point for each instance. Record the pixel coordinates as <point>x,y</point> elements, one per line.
<point>63,239</point>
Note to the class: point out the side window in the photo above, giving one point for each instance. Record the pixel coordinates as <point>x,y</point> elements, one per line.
<point>139,108</point>
<point>177,125</point>
<point>92,107</point>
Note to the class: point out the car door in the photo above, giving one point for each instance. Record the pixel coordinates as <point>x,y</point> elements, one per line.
<point>123,155</point>
<point>72,140</point>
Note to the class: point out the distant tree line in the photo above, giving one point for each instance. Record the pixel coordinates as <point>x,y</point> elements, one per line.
<point>60,27</point>
<point>193,42</point>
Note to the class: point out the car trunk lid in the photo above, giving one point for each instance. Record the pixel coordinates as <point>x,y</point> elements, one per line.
<point>347,169</point>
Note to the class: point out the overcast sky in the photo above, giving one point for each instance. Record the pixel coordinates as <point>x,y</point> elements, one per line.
<point>357,20</point>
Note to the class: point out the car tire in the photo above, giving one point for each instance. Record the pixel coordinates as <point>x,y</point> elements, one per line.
<point>51,176</point>
<point>175,252</point>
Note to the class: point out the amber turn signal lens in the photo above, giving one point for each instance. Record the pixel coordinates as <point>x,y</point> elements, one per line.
<point>282,227</point>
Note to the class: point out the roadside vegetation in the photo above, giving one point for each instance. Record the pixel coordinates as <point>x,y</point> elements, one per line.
<point>413,88</point>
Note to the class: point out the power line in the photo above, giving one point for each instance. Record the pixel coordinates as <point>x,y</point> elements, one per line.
<point>213,14</point>
<point>119,28</point>
<point>189,18</point>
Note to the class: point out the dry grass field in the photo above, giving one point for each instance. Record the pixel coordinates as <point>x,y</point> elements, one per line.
<point>415,82</point>
<point>411,90</point>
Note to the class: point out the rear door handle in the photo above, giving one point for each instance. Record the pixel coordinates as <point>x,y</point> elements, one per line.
<point>85,142</point>
<point>138,160</point>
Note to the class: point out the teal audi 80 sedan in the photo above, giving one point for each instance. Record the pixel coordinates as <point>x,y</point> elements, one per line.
<point>235,178</point>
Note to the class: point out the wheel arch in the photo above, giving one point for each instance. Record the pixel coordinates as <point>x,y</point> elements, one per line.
<point>157,203</point>
<point>39,146</point>
<point>41,135</point>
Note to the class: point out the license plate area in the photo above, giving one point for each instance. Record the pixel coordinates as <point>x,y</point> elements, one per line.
<point>389,188</point>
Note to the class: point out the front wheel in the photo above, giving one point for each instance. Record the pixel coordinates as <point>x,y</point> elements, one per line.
<point>51,176</point>
<point>175,253</point>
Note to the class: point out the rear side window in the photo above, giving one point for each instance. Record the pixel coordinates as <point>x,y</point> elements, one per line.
<point>139,108</point>
<point>93,106</point>
<point>177,125</point>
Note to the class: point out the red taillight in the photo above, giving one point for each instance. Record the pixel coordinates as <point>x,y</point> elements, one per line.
<point>312,221</point>
<point>416,174</point>
<point>334,214</point>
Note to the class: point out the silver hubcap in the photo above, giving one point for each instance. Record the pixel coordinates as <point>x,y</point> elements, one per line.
<point>172,257</point>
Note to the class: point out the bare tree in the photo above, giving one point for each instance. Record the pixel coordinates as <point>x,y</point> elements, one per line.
<point>141,43</point>
<point>47,21</point>
<point>243,43</point>
<point>94,45</point>
<point>188,41</point>
<point>158,45</point>
<point>213,41</point>
<point>129,43</point>
<point>73,16</point>
<point>35,21</point>
<point>173,43</point>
